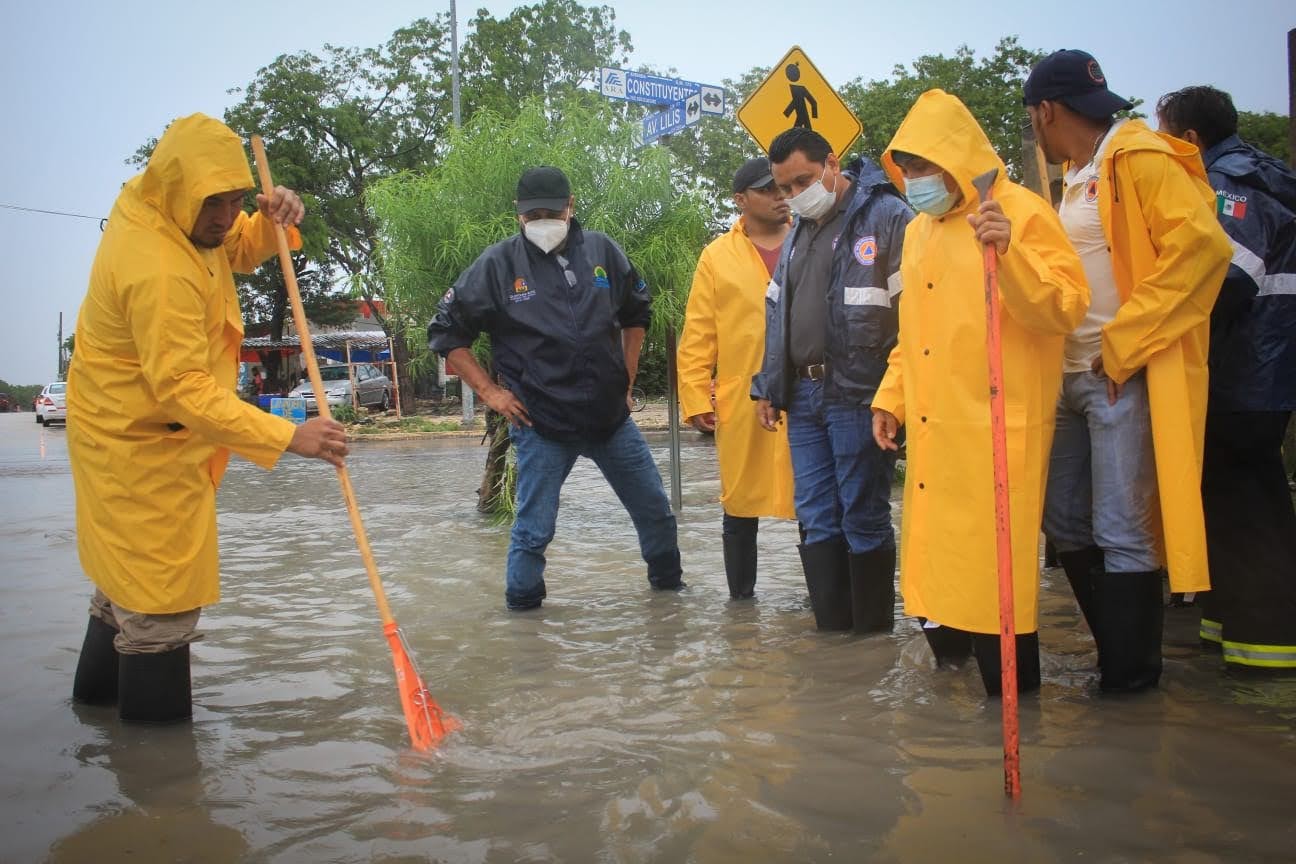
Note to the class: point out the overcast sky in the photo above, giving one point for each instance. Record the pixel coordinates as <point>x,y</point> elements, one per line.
<point>85,83</point>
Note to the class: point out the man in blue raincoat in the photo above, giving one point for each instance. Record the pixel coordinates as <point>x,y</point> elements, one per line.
<point>1250,523</point>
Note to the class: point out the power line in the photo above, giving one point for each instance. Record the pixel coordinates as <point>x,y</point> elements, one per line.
<point>51,212</point>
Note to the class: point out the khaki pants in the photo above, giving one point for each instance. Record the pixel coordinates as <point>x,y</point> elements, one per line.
<point>140,633</point>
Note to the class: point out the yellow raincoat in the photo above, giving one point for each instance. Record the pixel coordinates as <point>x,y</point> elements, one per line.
<point>937,380</point>
<point>724,330</point>
<point>1169,256</point>
<point>152,413</point>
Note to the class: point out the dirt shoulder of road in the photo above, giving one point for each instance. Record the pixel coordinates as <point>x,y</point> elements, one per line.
<point>447,421</point>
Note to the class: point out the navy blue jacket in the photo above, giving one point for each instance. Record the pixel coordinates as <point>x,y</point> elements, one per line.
<point>555,338</point>
<point>1253,325</point>
<point>862,296</point>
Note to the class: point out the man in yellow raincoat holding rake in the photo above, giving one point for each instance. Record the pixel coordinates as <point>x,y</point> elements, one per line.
<point>153,415</point>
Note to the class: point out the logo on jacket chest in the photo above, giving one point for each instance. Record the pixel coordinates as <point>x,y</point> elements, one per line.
<point>601,277</point>
<point>521,291</point>
<point>866,250</point>
<point>1091,190</point>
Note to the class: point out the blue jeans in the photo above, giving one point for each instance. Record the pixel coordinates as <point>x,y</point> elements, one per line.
<point>841,479</point>
<point>543,465</point>
<point>1102,488</point>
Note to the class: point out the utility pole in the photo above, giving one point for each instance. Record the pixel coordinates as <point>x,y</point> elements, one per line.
<point>465,392</point>
<point>62,365</point>
<point>1291,97</point>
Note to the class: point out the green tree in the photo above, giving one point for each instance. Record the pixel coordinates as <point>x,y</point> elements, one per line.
<point>546,50</point>
<point>1268,131</point>
<point>436,223</point>
<point>990,87</point>
<point>708,153</point>
<point>337,121</point>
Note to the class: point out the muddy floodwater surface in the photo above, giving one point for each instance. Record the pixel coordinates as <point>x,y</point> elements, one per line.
<point>614,725</point>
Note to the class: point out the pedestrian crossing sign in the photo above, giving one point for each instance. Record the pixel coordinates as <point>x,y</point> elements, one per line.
<point>796,94</point>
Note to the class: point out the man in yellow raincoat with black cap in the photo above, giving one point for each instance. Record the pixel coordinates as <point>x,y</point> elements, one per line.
<point>153,414</point>
<point>937,382</point>
<point>724,332</point>
<point>1124,490</point>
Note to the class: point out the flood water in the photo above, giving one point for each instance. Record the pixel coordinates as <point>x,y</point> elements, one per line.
<point>613,725</point>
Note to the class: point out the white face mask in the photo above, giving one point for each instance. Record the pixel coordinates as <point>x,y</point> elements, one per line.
<point>813,201</point>
<point>548,234</point>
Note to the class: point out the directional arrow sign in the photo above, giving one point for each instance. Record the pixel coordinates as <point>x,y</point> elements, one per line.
<point>693,109</point>
<point>713,99</point>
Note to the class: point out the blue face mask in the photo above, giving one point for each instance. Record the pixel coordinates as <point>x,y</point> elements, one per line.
<point>929,195</point>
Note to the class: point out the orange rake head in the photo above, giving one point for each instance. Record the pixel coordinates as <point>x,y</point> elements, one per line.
<point>427,723</point>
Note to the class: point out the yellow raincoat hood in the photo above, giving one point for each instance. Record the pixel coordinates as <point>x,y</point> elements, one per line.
<point>940,129</point>
<point>152,413</point>
<point>937,380</point>
<point>198,156</point>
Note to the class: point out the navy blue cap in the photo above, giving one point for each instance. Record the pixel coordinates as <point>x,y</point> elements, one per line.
<point>1075,79</point>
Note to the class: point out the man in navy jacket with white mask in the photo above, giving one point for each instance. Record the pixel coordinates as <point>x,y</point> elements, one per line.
<point>566,313</point>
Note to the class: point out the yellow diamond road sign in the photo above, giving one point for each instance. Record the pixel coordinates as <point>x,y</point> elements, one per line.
<point>795,94</point>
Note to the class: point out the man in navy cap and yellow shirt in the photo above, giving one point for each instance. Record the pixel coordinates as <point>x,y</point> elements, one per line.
<point>1139,211</point>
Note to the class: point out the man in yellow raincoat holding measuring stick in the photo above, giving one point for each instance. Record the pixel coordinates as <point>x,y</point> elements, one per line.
<point>937,385</point>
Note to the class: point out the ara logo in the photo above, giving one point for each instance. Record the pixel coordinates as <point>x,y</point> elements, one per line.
<point>1096,73</point>
<point>600,277</point>
<point>866,250</point>
<point>521,291</point>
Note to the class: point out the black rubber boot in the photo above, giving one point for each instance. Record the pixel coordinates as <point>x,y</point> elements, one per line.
<point>951,645</point>
<point>827,575</point>
<point>154,688</point>
<point>872,584</point>
<point>986,648</point>
<point>740,564</point>
<point>665,572</point>
<point>96,672</point>
<point>1080,567</point>
<point>1130,621</point>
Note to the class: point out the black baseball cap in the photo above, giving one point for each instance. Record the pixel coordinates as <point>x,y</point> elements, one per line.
<point>543,188</point>
<point>1075,79</point>
<point>753,173</point>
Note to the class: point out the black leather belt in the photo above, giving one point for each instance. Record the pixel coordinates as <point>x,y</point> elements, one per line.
<point>814,372</point>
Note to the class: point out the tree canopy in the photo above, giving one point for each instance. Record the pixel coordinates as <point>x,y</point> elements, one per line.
<point>435,223</point>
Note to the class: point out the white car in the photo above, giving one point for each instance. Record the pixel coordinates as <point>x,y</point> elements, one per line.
<point>51,404</point>
<point>374,388</point>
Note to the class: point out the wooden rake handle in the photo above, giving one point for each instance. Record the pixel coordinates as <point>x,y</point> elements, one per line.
<point>312,368</point>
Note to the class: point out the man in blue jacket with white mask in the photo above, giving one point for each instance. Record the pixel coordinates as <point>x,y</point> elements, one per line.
<point>831,321</point>
<point>566,313</point>
<point>1250,611</point>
